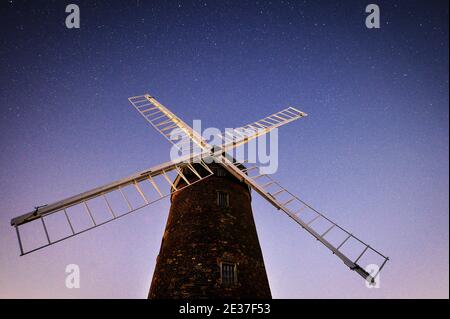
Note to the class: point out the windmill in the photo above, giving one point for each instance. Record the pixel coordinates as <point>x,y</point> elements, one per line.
<point>198,163</point>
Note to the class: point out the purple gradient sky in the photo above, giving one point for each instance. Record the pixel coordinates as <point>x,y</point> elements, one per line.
<point>373,153</point>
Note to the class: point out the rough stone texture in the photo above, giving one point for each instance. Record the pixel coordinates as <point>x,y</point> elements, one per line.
<point>199,235</point>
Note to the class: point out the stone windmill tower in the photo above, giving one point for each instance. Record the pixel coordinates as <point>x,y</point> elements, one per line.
<point>210,247</point>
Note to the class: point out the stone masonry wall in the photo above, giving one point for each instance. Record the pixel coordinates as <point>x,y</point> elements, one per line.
<point>199,235</point>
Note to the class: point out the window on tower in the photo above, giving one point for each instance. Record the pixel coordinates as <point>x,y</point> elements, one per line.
<point>228,274</point>
<point>220,172</point>
<point>223,200</point>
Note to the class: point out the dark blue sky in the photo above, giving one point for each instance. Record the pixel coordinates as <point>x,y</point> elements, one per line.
<point>373,152</point>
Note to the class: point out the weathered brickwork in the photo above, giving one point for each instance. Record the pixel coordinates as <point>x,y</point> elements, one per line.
<point>200,235</point>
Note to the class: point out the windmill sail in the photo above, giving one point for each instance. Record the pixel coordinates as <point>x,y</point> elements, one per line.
<point>168,124</point>
<point>191,142</point>
<point>241,135</point>
<point>135,192</point>
<point>336,238</point>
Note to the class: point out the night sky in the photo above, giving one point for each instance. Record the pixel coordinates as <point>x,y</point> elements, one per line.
<point>372,154</point>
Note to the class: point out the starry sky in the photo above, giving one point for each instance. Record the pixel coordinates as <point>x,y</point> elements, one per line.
<point>372,154</point>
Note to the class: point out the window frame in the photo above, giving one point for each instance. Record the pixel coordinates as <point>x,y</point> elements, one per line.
<point>219,201</point>
<point>232,281</point>
<point>220,172</point>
